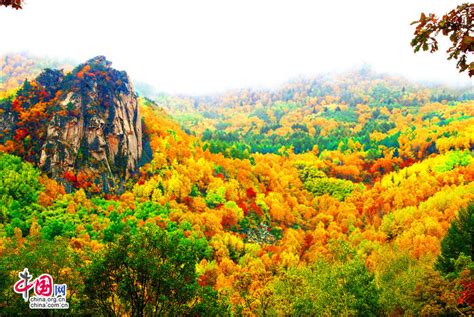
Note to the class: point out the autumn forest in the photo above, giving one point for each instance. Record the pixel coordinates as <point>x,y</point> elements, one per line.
<point>347,194</point>
<point>238,158</point>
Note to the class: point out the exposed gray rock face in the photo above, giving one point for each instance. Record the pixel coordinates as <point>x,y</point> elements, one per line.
<point>98,128</point>
<point>7,122</point>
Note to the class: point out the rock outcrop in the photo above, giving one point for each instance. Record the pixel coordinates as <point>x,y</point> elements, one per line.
<point>94,125</point>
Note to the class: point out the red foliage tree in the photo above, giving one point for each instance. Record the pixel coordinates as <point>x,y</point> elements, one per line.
<point>16,4</point>
<point>467,295</point>
<point>457,25</point>
<point>251,193</point>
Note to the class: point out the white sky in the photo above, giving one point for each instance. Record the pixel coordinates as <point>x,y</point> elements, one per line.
<point>204,46</point>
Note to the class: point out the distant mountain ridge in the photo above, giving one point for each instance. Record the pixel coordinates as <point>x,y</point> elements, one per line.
<point>16,68</point>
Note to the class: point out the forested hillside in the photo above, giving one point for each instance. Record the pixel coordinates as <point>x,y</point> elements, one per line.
<point>337,195</point>
<point>15,68</point>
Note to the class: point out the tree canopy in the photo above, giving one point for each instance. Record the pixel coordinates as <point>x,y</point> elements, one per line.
<point>16,4</point>
<point>457,25</point>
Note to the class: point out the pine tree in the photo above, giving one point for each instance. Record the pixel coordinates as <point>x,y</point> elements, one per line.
<point>459,239</point>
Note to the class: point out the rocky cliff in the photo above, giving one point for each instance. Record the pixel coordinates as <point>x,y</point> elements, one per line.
<point>89,122</point>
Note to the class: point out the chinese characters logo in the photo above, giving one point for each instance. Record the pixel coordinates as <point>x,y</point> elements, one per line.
<point>47,294</point>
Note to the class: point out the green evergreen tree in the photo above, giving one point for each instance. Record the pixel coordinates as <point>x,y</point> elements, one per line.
<point>459,240</point>
<point>150,273</point>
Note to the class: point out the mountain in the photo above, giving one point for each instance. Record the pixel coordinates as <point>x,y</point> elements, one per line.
<point>324,196</point>
<point>86,123</point>
<point>358,112</point>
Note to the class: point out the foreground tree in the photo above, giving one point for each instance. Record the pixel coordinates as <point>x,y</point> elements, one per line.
<point>16,4</point>
<point>457,25</point>
<point>341,287</point>
<point>40,256</point>
<point>152,273</point>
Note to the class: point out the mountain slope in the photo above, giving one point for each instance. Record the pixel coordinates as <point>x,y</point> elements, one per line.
<point>352,225</point>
